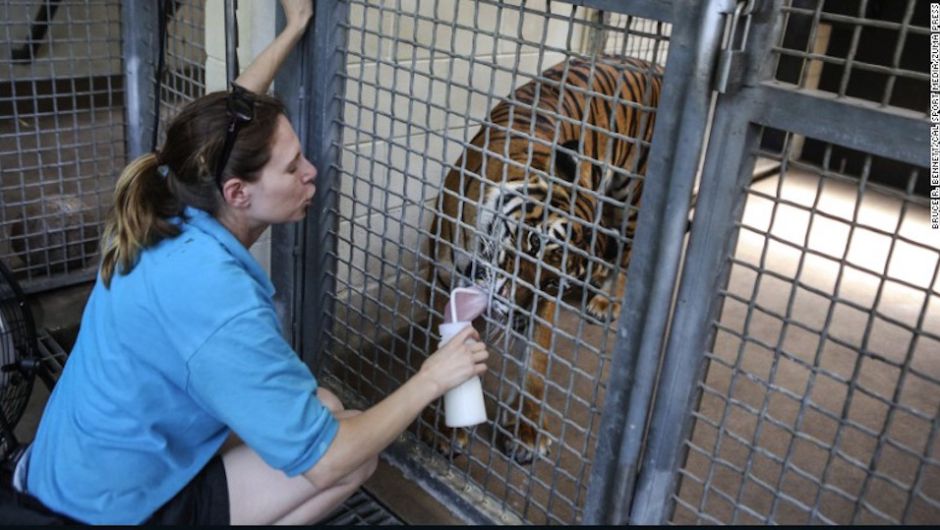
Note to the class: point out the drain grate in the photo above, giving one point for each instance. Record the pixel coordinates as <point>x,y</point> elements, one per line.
<point>363,509</point>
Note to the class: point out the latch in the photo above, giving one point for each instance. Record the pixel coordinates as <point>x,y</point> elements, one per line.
<point>731,60</point>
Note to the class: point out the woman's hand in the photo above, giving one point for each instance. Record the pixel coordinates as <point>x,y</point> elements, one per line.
<point>297,12</point>
<point>455,362</point>
<point>363,436</point>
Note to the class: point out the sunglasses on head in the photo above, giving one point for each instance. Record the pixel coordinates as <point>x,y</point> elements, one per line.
<point>240,104</point>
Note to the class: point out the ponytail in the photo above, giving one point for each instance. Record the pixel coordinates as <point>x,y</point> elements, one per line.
<point>143,205</point>
<point>145,201</point>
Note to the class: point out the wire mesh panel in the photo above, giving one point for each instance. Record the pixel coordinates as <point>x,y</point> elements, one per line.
<point>61,135</point>
<point>820,400</point>
<point>871,51</point>
<point>820,392</point>
<point>636,36</point>
<point>490,143</point>
<point>184,75</point>
<point>874,50</point>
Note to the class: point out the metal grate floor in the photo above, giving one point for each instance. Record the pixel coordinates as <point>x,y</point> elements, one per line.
<point>363,509</point>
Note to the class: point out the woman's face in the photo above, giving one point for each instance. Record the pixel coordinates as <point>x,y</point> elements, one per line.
<point>285,186</point>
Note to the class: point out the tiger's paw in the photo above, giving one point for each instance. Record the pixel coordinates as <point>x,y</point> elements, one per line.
<point>601,308</point>
<point>448,442</point>
<point>528,445</point>
<point>454,442</point>
<point>524,451</point>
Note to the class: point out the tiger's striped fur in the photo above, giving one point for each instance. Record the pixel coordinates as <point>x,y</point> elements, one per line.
<point>550,183</point>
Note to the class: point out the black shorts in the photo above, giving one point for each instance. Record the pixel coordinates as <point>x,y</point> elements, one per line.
<point>204,501</point>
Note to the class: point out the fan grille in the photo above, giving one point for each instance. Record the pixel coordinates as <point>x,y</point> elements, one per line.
<point>17,343</point>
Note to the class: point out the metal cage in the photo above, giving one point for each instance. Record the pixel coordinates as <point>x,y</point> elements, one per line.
<point>820,398</point>
<point>402,90</point>
<point>774,363</point>
<point>184,75</point>
<point>812,309</point>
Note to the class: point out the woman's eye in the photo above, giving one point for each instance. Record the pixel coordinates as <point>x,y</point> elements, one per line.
<point>292,169</point>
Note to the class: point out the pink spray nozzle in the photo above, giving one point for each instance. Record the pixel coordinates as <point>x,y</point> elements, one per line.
<point>465,304</point>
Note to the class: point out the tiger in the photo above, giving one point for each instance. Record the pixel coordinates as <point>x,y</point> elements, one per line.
<point>552,179</point>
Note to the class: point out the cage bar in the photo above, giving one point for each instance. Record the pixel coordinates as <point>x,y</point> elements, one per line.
<point>139,27</point>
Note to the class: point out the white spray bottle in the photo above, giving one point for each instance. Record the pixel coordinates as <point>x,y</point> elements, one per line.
<point>463,405</point>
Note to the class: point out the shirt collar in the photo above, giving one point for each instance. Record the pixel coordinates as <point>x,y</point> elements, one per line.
<point>205,222</point>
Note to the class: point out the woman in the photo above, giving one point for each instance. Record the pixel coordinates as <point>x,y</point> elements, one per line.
<point>179,345</point>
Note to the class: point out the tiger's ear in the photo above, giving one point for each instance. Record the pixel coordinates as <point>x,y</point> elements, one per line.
<point>566,163</point>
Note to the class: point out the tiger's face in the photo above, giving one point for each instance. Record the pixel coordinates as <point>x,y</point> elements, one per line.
<point>543,259</point>
<point>534,237</point>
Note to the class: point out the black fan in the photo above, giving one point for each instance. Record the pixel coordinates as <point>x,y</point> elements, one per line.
<point>19,358</point>
<point>23,357</point>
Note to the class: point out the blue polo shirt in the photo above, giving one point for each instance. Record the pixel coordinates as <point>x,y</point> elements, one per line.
<point>177,352</point>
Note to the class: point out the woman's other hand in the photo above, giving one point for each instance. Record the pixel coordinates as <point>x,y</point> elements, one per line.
<point>297,12</point>
<point>458,360</point>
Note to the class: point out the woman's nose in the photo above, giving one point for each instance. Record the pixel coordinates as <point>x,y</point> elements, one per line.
<point>311,174</point>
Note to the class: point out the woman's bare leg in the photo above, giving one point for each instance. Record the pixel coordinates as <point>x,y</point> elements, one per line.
<point>319,506</point>
<point>259,494</point>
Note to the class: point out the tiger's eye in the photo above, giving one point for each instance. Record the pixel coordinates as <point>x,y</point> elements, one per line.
<point>535,242</point>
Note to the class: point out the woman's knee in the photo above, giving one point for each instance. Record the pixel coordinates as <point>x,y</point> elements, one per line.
<point>329,400</point>
<point>367,469</point>
<point>361,474</point>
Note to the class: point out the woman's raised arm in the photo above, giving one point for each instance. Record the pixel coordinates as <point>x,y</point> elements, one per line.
<point>258,75</point>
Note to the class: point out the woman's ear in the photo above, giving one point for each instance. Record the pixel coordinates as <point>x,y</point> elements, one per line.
<point>236,193</point>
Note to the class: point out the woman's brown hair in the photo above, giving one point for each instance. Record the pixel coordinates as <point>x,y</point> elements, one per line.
<point>146,202</point>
